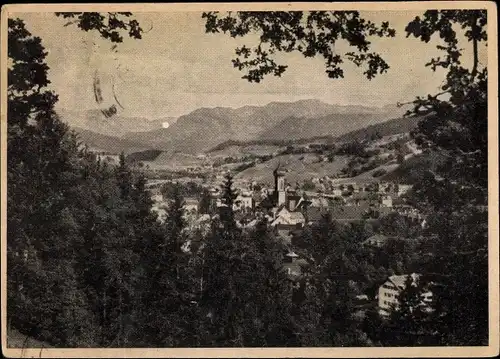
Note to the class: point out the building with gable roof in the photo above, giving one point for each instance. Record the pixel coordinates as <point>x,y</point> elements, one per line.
<point>388,294</point>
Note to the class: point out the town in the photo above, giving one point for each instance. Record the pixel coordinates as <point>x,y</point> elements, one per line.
<point>195,179</point>
<point>288,211</point>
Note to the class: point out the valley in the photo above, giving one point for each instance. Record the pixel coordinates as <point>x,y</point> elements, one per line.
<point>303,137</point>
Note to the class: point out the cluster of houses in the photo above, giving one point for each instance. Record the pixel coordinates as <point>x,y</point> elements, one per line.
<point>288,211</point>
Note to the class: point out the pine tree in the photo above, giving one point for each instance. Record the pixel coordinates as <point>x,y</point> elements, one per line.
<point>246,294</point>
<point>205,202</point>
<point>407,317</point>
<point>174,227</point>
<point>42,238</point>
<point>246,297</point>
<point>69,257</point>
<point>167,312</point>
<point>124,177</point>
<point>227,213</point>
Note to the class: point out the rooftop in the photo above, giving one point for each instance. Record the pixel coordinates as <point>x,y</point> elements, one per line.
<point>399,280</point>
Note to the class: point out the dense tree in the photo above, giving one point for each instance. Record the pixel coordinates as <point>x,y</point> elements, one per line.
<point>166,309</point>
<point>82,215</point>
<point>246,293</point>
<point>40,158</point>
<point>455,125</point>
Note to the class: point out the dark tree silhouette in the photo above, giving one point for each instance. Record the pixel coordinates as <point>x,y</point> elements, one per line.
<point>312,34</point>
<point>110,25</point>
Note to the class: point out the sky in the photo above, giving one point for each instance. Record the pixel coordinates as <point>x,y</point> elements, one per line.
<point>176,68</point>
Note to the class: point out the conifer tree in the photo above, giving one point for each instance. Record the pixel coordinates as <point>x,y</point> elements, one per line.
<point>70,257</point>
<point>407,317</point>
<point>40,158</point>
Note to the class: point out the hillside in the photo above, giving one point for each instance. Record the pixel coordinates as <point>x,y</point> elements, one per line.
<point>387,128</point>
<point>148,155</point>
<point>333,125</point>
<point>298,167</point>
<point>412,170</point>
<point>110,144</point>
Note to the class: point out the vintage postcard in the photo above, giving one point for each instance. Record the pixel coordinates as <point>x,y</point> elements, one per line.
<point>250,180</point>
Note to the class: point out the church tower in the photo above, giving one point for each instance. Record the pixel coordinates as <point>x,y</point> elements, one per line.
<point>279,186</point>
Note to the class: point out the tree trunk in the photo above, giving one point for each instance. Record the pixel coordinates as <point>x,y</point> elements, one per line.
<point>475,34</point>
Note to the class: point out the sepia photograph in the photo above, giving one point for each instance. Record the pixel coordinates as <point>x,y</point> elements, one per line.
<point>247,180</point>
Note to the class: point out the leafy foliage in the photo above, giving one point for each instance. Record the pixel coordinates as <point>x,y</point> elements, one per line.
<point>312,34</point>
<point>456,192</point>
<point>109,25</point>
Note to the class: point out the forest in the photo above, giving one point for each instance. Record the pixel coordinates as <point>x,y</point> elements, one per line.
<point>89,265</point>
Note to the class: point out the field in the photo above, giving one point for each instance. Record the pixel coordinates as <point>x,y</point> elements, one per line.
<point>174,161</point>
<point>241,151</point>
<point>298,168</point>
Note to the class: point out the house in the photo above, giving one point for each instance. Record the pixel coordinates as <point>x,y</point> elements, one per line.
<point>408,211</point>
<point>319,202</point>
<point>349,213</point>
<point>386,201</point>
<point>290,257</point>
<point>156,196</point>
<point>244,201</point>
<point>380,212</point>
<point>360,199</point>
<point>191,205</point>
<point>314,214</point>
<point>286,217</point>
<point>389,292</point>
<point>336,192</point>
<point>293,200</point>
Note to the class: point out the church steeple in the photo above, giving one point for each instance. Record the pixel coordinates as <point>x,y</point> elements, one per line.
<point>279,185</point>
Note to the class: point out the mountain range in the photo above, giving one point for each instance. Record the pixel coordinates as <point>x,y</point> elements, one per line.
<point>205,128</point>
<point>116,126</point>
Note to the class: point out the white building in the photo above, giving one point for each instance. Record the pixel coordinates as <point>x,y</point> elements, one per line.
<point>191,205</point>
<point>285,217</point>
<point>386,201</point>
<point>388,294</point>
<point>336,192</point>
